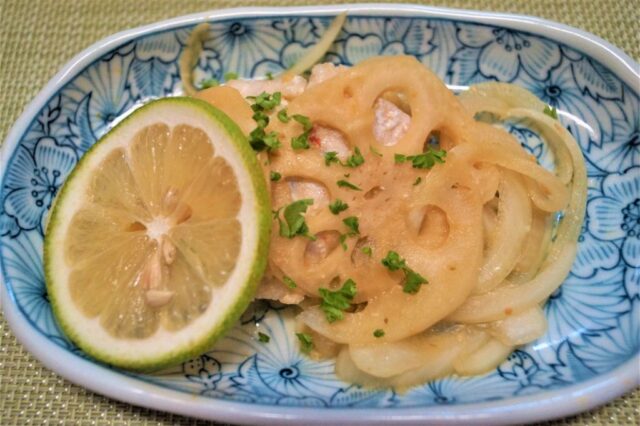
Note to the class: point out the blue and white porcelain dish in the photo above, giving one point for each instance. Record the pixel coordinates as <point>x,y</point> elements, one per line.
<point>590,353</point>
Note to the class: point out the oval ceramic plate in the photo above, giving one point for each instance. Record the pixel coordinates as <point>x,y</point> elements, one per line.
<point>590,352</point>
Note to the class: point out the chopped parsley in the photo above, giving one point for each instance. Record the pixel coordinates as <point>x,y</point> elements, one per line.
<point>412,280</point>
<point>353,161</point>
<point>346,184</point>
<point>375,151</point>
<point>263,338</point>
<point>302,140</point>
<point>353,224</point>
<point>259,138</point>
<point>338,206</point>
<point>266,101</point>
<point>426,160</point>
<point>378,333</point>
<point>367,250</point>
<point>334,303</point>
<point>305,121</point>
<point>343,238</point>
<point>274,176</point>
<point>208,83</point>
<point>417,181</point>
<point>269,75</point>
<point>551,111</point>
<point>283,116</point>
<point>230,76</point>
<point>331,157</point>
<point>393,261</point>
<point>289,282</point>
<point>306,342</point>
<point>293,223</point>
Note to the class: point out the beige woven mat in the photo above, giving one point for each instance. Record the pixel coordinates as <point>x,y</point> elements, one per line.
<point>38,36</point>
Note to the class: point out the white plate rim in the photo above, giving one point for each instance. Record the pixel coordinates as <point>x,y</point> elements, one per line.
<point>545,405</point>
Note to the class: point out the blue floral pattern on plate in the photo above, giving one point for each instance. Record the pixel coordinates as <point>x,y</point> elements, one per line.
<point>593,324</point>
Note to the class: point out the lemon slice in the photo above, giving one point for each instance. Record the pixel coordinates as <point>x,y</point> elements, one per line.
<point>159,236</point>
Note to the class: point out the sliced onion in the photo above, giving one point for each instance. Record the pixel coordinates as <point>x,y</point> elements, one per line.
<point>484,359</point>
<point>391,359</point>
<point>318,50</point>
<point>520,329</point>
<point>513,224</point>
<point>436,363</point>
<point>501,302</point>
<point>189,57</point>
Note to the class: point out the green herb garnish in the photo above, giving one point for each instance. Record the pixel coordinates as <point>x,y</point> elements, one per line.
<point>367,250</point>
<point>378,333</point>
<point>306,342</point>
<point>338,206</point>
<point>412,280</point>
<point>208,83</point>
<point>355,160</point>
<point>343,239</point>
<point>289,282</point>
<point>259,138</point>
<point>426,160</point>
<point>375,151</point>
<point>334,303</point>
<point>263,338</point>
<point>300,141</point>
<point>353,224</point>
<point>305,121</point>
<point>269,75</point>
<point>417,181</point>
<point>345,184</point>
<point>230,76</point>
<point>331,157</point>
<point>282,116</point>
<point>274,176</point>
<point>551,111</point>
<point>293,223</point>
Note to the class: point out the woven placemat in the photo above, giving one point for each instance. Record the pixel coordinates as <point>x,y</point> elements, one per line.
<point>38,36</point>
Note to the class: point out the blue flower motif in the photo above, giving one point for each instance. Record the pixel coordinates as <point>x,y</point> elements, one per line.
<point>621,149</point>
<point>22,259</point>
<point>357,396</point>
<point>594,79</point>
<point>154,71</point>
<point>522,368</point>
<point>97,97</point>
<point>33,179</point>
<point>204,370</point>
<point>454,390</point>
<point>501,53</point>
<point>593,254</point>
<point>586,305</point>
<point>606,350</point>
<point>360,47</point>
<point>568,366</point>
<point>443,45</point>
<point>289,56</point>
<point>240,44</point>
<point>590,122</point>
<point>274,372</point>
<point>615,216</point>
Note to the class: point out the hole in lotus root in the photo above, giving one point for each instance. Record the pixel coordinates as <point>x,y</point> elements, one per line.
<point>318,250</point>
